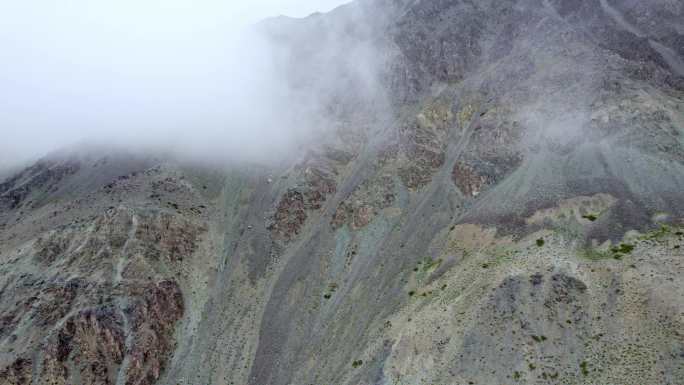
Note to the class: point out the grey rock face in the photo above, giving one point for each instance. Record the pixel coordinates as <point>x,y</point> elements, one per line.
<point>499,201</point>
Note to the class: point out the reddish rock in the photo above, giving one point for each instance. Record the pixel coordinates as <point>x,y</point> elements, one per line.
<point>467,180</point>
<point>154,320</point>
<point>319,186</point>
<point>362,216</point>
<point>472,176</point>
<point>293,208</point>
<point>56,301</point>
<point>289,217</point>
<point>51,247</point>
<point>365,202</point>
<point>18,373</point>
<point>424,148</point>
<point>169,236</point>
<point>92,342</point>
<point>414,176</point>
<point>343,212</point>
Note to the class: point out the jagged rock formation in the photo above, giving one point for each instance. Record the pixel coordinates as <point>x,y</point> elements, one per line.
<point>498,200</point>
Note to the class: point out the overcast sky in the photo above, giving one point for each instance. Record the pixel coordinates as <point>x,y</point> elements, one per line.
<point>71,69</point>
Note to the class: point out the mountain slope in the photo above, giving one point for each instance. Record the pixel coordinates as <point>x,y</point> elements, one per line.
<point>497,199</point>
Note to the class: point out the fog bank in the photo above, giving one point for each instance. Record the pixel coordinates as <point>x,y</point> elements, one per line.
<point>184,75</point>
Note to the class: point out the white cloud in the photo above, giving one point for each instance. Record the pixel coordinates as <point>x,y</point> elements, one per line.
<point>147,70</point>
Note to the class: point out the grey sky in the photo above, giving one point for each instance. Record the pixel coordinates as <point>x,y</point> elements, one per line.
<point>112,70</point>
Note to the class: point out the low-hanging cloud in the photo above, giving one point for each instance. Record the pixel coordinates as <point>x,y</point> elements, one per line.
<point>178,75</point>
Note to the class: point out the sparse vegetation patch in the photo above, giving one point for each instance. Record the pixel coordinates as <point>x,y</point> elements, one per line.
<point>539,338</point>
<point>584,367</point>
<point>623,249</point>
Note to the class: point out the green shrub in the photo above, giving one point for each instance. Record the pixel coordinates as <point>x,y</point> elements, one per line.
<point>539,338</point>
<point>429,264</point>
<point>624,248</point>
<point>585,368</point>
<point>657,234</point>
<point>590,217</point>
<point>594,254</point>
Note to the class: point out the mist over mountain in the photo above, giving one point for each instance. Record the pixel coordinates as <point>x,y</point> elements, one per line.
<point>197,79</point>
<point>397,192</point>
